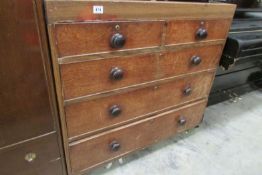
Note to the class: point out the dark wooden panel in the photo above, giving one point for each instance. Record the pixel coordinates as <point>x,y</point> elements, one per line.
<point>13,158</point>
<point>83,38</point>
<point>94,115</point>
<point>24,108</point>
<point>27,108</point>
<point>51,168</point>
<point>183,32</point>
<point>79,79</point>
<point>96,150</point>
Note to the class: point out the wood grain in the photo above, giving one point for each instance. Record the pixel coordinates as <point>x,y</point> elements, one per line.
<point>23,115</point>
<point>81,70</point>
<point>82,10</point>
<point>60,100</point>
<point>180,62</point>
<point>138,51</point>
<point>87,117</point>
<point>181,31</point>
<point>94,37</point>
<point>13,158</point>
<point>28,114</point>
<point>80,79</point>
<point>83,38</point>
<point>93,151</point>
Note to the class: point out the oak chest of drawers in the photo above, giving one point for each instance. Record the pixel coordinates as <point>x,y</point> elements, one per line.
<point>129,74</point>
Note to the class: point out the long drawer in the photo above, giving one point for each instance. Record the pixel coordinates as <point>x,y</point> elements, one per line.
<point>85,78</point>
<point>102,113</point>
<point>118,142</point>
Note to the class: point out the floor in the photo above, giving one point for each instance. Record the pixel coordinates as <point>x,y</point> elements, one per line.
<point>228,142</point>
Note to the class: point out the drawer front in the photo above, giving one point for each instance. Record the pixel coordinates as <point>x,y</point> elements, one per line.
<point>101,148</point>
<point>41,151</point>
<point>51,168</point>
<point>181,31</point>
<point>84,38</point>
<point>94,115</point>
<point>85,78</point>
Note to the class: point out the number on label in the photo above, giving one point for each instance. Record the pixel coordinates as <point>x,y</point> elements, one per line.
<point>98,9</point>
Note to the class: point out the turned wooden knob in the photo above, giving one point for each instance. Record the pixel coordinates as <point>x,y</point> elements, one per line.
<point>181,120</point>
<point>115,110</point>
<point>116,73</point>
<point>201,34</point>
<point>117,41</point>
<point>114,146</point>
<point>187,91</point>
<point>196,60</point>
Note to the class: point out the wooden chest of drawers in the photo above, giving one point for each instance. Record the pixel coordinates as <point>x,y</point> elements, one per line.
<point>128,76</point>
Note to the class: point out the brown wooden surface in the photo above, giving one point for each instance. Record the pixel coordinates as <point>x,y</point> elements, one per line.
<point>13,158</point>
<point>60,99</point>
<point>81,10</point>
<point>83,118</point>
<point>181,31</point>
<point>57,167</point>
<point>95,150</point>
<point>79,79</point>
<point>62,12</point>
<point>83,38</point>
<point>28,116</point>
<point>133,52</point>
<point>25,110</point>
<point>86,38</point>
<point>180,62</point>
<point>51,168</point>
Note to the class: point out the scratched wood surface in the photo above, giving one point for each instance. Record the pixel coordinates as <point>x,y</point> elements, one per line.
<point>150,59</point>
<point>137,51</point>
<point>181,31</point>
<point>93,115</point>
<point>46,149</point>
<point>85,78</point>
<point>96,150</point>
<point>82,38</point>
<point>85,38</point>
<point>82,10</point>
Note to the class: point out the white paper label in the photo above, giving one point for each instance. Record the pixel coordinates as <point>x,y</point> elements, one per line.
<point>98,9</point>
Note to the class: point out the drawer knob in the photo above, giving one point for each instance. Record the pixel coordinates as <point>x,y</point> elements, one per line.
<point>201,33</point>
<point>187,91</point>
<point>30,157</point>
<point>196,60</point>
<point>115,146</point>
<point>116,73</point>
<point>115,111</point>
<point>182,120</point>
<point>117,41</point>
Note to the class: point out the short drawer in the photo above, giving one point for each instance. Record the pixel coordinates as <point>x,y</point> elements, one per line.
<point>31,157</point>
<point>92,151</point>
<point>85,78</point>
<point>187,31</point>
<point>95,115</point>
<point>90,37</point>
